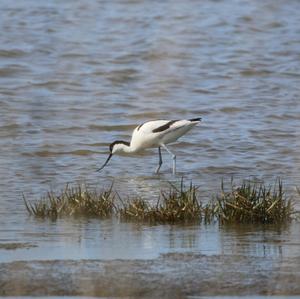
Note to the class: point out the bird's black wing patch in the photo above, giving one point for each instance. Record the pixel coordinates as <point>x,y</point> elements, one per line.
<point>195,119</point>
<point>164,127</point>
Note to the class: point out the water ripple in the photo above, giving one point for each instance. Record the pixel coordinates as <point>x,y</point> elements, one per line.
<point>74,76</point>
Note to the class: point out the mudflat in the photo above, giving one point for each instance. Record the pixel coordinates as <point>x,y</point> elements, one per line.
<point>172,275</point>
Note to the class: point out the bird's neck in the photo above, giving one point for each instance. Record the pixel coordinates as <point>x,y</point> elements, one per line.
<point>127,149</point>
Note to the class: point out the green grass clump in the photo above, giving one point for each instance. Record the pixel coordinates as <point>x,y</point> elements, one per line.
<point>180,204</point>
<point>137,209</point>
<point>253,203</point>
<point>79,200</point>
<point>174,206</point>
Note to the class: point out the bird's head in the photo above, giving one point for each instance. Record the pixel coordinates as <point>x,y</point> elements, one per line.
<point>117,147</point>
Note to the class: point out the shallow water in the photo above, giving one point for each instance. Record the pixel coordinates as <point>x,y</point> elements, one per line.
<point>75,76</point>
<point>108,239</point>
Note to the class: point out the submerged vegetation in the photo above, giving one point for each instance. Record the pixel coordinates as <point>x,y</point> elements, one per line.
<point>250,202</point>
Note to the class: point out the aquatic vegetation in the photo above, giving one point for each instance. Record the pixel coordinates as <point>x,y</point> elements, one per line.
<point>78,200</point>
<point>251,202</point>
<point>173,206</point>
<point>180,204</point>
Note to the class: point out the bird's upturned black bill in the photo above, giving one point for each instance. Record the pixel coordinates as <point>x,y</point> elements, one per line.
<point>110,155</point>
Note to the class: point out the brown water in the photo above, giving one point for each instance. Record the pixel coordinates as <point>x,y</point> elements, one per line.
<point>76,75</point>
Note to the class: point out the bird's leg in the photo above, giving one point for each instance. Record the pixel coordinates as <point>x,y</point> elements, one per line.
<point>160,161</point>
<point>173,157</point>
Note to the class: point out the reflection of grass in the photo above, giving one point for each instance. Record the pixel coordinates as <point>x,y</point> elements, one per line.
<point>14,246</point>
<point>248,203</point>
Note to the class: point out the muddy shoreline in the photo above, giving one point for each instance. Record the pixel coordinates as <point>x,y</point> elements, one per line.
<point>173,275</point>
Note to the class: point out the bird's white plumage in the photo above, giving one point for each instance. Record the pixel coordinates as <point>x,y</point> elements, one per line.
<point>156,133</point>
<point>144,137</point>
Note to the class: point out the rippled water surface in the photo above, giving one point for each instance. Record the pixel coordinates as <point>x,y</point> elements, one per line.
<point>76,75</point>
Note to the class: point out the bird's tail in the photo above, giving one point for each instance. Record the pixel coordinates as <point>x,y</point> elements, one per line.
<point>195,119</point>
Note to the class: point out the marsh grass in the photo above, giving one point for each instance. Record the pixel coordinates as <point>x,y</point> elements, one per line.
<point>177,205</point>
<point>78,201</point>
<point>251,202</point>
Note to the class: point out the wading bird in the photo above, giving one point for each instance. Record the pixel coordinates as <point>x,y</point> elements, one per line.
<point>155,133</point>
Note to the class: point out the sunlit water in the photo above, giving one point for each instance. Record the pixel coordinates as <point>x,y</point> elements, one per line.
<point>76,75</point>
